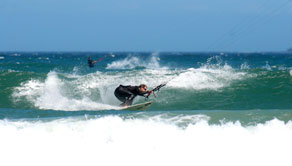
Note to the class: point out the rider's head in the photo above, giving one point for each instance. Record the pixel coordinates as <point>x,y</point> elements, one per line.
<point>143,87</point>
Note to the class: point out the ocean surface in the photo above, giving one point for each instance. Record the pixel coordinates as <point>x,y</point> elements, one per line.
<point>216,109</point>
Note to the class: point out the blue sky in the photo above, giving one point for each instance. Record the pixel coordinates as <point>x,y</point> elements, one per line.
<point>145,25</point>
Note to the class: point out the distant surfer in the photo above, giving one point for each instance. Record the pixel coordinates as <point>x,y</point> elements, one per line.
<point>91,62</point>
<point>126,94</point>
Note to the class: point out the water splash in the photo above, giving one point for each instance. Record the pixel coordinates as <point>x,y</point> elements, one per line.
<point>132,62</point>
<point>207,77</point>
<point>55,94</point>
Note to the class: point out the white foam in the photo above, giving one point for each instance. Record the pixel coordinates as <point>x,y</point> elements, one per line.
<point>131,62</point>
<point>267,66</point>
<point>244,66</point>
<point>56,94</point>
<point>207,78</point>
<point>115,141</point>
<point>1,57</point>
<point>290,72</point>
<point>29,90</point>
<point>127,63</point>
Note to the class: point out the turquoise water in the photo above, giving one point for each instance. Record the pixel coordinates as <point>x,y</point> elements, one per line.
<point>219,105</point>
<point>195,81</point>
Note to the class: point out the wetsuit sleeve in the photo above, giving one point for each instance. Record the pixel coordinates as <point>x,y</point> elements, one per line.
<point>140,93</point>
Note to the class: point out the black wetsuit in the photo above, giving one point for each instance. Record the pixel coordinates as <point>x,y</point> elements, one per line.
<point>90,63</point>
<point>126,94</point>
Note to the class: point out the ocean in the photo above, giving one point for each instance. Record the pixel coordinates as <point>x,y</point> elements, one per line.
<point>216,109</point>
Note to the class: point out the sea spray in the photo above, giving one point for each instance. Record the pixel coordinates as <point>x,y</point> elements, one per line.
<point>131,62</point>
<point>52,94</point>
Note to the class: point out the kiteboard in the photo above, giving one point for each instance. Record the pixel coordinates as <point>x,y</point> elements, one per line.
<point>138,107</point>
